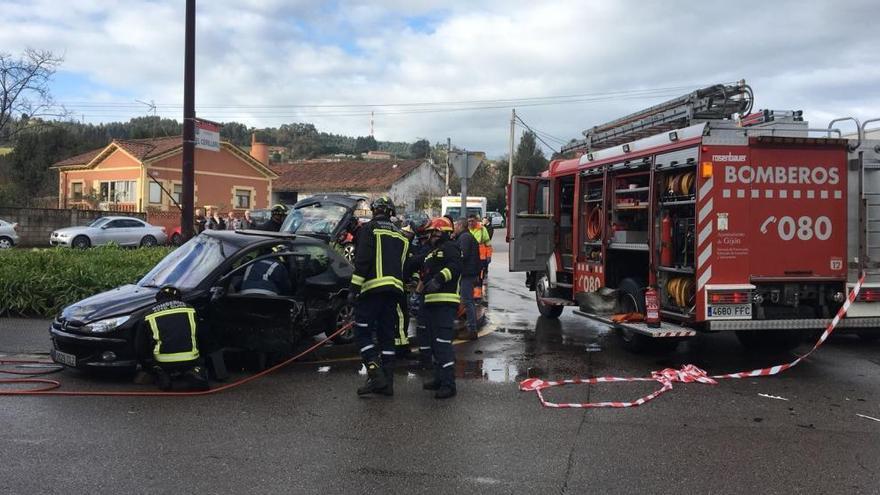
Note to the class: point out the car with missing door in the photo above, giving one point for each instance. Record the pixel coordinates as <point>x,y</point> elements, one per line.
<point>101,332</point>
<point>124,231</point>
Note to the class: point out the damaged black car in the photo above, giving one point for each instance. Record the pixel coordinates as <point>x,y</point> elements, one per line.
<point>101,332</point>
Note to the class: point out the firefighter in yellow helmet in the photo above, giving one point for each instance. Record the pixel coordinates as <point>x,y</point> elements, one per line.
<point>377,294</point>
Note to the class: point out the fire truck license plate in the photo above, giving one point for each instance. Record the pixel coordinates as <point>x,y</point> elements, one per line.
<point>729,311</point>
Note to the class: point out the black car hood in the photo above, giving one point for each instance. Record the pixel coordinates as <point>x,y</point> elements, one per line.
<point>119,301</point>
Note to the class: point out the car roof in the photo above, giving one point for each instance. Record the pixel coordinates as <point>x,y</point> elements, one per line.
<point>119,217</point>
<point>347,200</point>
<point>243,238</point>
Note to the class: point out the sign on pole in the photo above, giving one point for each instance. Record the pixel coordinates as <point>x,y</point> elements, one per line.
<point>465,163</point>
<point>207,135</point>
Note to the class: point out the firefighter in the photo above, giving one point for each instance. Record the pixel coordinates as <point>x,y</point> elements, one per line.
<point>268,277</point>
<point>439,284</point>
<point>470,273</point>
<point>171,333</point>
<point>377,292</point>
<point>419,248</point>
<point>484,240</point>
<point>273,224</point>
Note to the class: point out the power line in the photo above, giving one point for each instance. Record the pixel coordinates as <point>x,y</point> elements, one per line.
<point>517,100</point>
<point>536,135</point>
<point>113,112</point>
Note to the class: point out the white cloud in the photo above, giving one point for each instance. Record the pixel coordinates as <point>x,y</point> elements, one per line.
<point>796,55</point>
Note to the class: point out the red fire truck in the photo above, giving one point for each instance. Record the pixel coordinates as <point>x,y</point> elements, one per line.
<point>704,222</point>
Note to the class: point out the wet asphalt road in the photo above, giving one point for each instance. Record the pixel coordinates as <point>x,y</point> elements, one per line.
<point>305,431</point>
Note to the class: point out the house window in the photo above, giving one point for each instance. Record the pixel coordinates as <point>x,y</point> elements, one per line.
<point>120,191</point>
<point>155,193</point>
<point>76,189</point>
<point>176,192</point>
<point>242,199</point>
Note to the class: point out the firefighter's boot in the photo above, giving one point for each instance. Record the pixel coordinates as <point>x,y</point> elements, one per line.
<point>196,378</point>
<point>389,379</point>
<point>376,380</point>
<point>445,392</point>
<point>163,379</point>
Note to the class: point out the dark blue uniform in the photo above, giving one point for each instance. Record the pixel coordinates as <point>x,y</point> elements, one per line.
<point>268,277</point>
<point>378,281</point>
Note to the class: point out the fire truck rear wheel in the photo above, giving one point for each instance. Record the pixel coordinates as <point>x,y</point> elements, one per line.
<point>632,300</point>
<point>542,290</point>
<point>770,340</point>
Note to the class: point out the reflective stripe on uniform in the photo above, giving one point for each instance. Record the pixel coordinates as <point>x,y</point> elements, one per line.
<point>387,353</point>
<point>402,338</point>
<point>450,363</point>
<point>367,347</point>
<point>443,297</point>
<point>446,273</point>
<point>382,282</point>
<point>190,355</point>
<point>443,341</point>
<point>355,280</point>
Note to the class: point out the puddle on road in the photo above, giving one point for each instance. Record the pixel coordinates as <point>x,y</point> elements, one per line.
<point>496,370</point>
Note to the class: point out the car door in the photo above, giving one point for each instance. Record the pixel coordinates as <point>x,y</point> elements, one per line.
<point>530,224</point>
<point>135,230</point>
<point>109,232</point>
<point>253,322</point>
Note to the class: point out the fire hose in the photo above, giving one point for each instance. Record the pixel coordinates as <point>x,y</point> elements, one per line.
<point>594,224</point>
<point>49,387</point>
<point>687,374</point>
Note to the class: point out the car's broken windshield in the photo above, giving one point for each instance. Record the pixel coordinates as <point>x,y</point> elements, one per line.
<point>315,219</point>
<point>187,265</point>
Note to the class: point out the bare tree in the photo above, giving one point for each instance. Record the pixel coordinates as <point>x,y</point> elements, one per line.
<point>24,87</point>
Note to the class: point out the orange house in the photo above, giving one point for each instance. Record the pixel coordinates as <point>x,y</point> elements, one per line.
<point>145,174</point>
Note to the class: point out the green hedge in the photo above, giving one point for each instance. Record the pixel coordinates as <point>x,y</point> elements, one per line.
<point>40,282</point>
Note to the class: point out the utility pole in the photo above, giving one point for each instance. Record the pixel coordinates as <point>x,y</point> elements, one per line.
<point>464,187</point>
<point>189,115</point>
<point>510,157</point>
<point>448,150</point>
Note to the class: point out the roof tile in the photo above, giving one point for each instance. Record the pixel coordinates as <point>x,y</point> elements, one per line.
<point>349,176</point>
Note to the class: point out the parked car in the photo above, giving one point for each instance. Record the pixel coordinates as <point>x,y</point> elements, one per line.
<point>101,332</point>
<point>125,231</point>
<point>331,217</point>
<point>8,234</point>
<point>496,219</point>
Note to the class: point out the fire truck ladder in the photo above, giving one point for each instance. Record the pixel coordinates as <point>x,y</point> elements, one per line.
<point>711,103</point>
<point>869,211</point>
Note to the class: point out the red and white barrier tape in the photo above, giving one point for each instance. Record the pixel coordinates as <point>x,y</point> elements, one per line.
<point>687,374</point>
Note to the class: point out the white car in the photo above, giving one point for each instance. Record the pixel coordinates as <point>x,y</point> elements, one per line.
<point>8,234</point>
<point>496,219</point>
<point>124,231</point>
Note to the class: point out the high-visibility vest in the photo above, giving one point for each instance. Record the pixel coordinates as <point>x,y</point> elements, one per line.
<point>484,241</point>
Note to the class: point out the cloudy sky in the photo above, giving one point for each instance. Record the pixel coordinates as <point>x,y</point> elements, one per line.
<point>266,62</point>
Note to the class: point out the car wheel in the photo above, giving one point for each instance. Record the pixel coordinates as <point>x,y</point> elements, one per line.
<point>5,243</point>
<point>176,239</point>
<point>148,241</point>
<point>542,290</point>
<point>344,314</point>
<point>348,251</point>
<point>81,242</point>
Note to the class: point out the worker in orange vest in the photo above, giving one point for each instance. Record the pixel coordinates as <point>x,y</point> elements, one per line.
<point>484,240</point>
